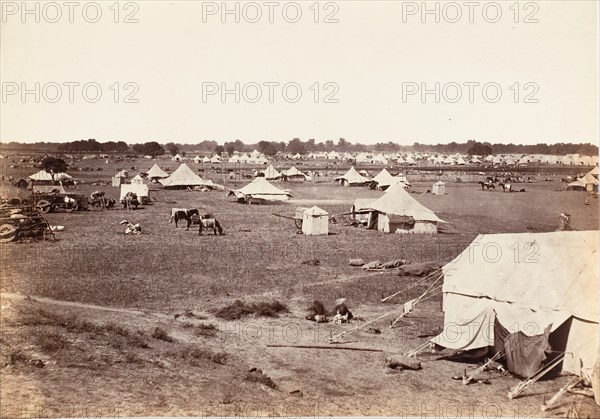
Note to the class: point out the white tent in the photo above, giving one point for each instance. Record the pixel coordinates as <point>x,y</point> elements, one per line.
<point>216,159</point>
<point>351,178</point>
<point>141,191</point>
<point>439,188</point>
<point>315,222</point>
<point>271,173</point>
<point>137,180</point>
<point>398,212</point>
<point>260,189</point>
<point>177,157</point>
<point>384,179</point>
<point>294,174</point>
<point>526,282</point>
<point>197,159</point>
<point>156,172</point>
<point>43,176</point>
<point>182,177</point>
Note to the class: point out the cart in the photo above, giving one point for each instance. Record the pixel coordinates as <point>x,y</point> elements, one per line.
<point>297,217</point>
<point>21,221</point>
<point>56,202</point>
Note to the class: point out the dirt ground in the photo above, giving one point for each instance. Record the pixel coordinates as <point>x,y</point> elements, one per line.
<point>80,315</point>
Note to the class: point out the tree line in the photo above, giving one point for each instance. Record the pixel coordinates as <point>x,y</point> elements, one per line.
<point>297,146</point>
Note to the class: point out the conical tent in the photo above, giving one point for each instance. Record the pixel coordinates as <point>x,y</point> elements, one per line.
<point>271,173</point>
<point>182,177</point>
<point>156,172</point>
<point>137,180</point>
<point>41,176</point>
<point>397,211</point>
<point>384,179</point>
<point>351,178</point>
<point>261,189</point>
<point>526,282</point>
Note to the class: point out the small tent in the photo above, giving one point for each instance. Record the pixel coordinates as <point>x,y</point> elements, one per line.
<point>293,174</point>
<point>384,179</point>
<point>270,173</point>
<point>183,177</point>
<point>352,178</point>
<point>359,207</point>
<point>260,190</point>
<point>137,180</point>
<point>156,172</point>
<point>507,291</point>
<point>439,188</point>
<point>398,212</point>
<point>315,222</point>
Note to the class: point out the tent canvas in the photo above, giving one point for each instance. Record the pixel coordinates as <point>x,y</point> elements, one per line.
<point>137,180</point>
<point>141,191</point>
<point>271,173</point>
<point>439,188</point>
<point>182,177</point>
<point>351,178</point>
<point>156,172</point>
<point>397,202</point>
<point>43,176</point>
<point>526,282</point>
<point>315,222</point>
<point>260,189</point>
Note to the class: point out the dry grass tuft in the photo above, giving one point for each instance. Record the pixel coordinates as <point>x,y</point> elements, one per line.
<point>240,309</point>
<point>257,376</point>
<point>206,330</point>
<point>161,334</point>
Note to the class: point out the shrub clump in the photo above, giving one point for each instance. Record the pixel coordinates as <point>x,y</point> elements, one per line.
<point>240,309</point>
<point>256,375</point>
<point>161,334</point>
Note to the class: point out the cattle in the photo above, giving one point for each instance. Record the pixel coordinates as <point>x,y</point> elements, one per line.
<point>179,214</point>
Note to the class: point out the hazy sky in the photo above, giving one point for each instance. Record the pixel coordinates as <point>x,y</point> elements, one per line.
<point>366,68</point>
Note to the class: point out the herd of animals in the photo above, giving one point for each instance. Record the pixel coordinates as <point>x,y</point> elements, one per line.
<point>506,184</point>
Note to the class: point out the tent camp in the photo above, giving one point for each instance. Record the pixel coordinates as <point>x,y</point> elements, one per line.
<point>315,222</point>
<point>439,188</point>
<point>398,212</point>
<point>352,178</point>
<point>183,177</point>
<point>156,172</point>
<point>141,191</point>
<point>523,293</point>
<point>260,190</point>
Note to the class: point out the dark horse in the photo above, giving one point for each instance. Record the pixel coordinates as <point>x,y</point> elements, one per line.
<point>180,214</point>
<point>487,185</point>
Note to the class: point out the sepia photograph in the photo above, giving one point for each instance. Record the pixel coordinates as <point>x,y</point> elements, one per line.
<point>299,209</point>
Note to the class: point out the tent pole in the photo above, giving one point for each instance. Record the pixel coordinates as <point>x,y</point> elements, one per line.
<point>519,388</point>
<point>466,380</point>
<point>572,383</point>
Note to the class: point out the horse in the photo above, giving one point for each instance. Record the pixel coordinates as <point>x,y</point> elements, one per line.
<point>207,222</point>
<point>180,214</point>
<point>506,187</point>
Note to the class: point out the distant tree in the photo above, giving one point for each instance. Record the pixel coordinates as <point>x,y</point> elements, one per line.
<point>172,148</point>
<point>219,149</point>
<point>479,149</point>
<point>53,165</point>
<point>296,146</point>
<point>149,149</point>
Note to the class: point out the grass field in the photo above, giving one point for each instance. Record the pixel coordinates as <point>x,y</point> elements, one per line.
<point>80,315</point>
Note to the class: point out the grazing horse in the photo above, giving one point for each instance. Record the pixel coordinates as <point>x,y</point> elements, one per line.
<point>506,187</point>
<point>487,185</point>
<point>209,222</point>
<point>180,214</point>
